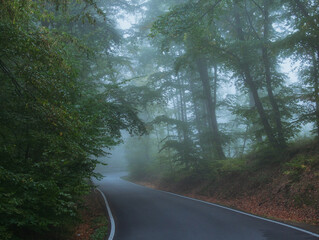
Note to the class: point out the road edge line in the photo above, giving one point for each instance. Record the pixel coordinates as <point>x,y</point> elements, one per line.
<point>241,212</point>
<point>233,210</point>
<point>112,233</point>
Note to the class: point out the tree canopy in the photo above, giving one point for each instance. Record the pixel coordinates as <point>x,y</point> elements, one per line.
<point>61,106</point>
<point>204,79</point>
<point>219,66</point>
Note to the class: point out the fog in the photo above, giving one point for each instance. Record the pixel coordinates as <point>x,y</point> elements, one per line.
<point>212,86</point>
<point>115,161</point>
<point>209,93</point>
<point>115,158</point>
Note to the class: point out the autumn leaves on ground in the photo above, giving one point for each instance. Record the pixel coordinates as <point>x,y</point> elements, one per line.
<point>285,189</point>
<point>93,224</point>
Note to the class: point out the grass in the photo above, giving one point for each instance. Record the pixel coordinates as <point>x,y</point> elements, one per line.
<point>102,228</point>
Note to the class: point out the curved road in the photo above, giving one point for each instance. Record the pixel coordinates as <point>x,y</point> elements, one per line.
<point>142,213</point>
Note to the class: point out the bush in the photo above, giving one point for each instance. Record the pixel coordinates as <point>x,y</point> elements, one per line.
<point>57,111</point>
<point>296,167</point>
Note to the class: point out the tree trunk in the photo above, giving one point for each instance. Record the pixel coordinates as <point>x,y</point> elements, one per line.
<point>215,86</point>
<point>259,106</point>
<point>210,107</point>
<point>177,114</point>
<point>252,105</point>
<point>244,66</point>
<point>183,108</point>
<point>316,88</point>
<point>266,62</point>
<point>198,113</point>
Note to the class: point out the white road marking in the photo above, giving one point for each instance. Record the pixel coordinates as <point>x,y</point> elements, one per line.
<point>244,213</point>
<point>208,203</point>
<point>112,233</point>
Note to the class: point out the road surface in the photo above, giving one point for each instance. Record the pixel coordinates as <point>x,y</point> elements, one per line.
<point>141,213</point>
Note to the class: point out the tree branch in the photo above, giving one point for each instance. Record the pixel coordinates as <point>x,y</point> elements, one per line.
<point>250,23</point>
<point>6,71</point>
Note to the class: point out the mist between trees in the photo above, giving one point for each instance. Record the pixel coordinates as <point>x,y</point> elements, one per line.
<point>199,82</point>
<point>212,85</point>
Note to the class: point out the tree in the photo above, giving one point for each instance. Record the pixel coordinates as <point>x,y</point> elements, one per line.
<point>60,109</point>
<point>302,42</point>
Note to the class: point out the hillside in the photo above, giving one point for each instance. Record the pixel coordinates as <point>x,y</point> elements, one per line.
<point>284,188</point>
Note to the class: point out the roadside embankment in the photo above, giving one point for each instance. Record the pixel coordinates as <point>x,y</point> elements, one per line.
<point>285,191</point>
<point>94,224</point>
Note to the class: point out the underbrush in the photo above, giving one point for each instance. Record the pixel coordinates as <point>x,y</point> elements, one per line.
<point>283,185</point>
<point>90,224</point>
<point>93,222</point>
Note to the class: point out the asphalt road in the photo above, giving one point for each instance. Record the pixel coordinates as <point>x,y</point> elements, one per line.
<point>142,213</point>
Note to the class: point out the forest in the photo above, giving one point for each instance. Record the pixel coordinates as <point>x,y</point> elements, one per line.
<point>208,90</point>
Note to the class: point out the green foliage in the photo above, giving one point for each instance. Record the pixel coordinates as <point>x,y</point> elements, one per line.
<point>231,165</point>
<point>298,165</point>
<point>59,109</point>
<point>176,123</point>
<point>140,157</point>
<point>100,232</point>
<point>183,153</point>
<point>305,197</point>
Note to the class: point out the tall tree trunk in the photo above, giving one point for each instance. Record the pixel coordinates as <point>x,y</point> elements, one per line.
<point>182,108</point>
<point>169,153</point>
<point>210,107</point>
<point>266,62</point>
<point>177,114</point>
<point>244,65</point>
<point>259,106</point>
<point>215,86</point>
<point>198,115</point>
<point>252,105</point>
<point>316,88</point>
<point>181,100</point>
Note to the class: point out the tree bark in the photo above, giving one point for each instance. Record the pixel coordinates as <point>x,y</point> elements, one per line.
<point>316,88</point>
<point>210,107</point>
<point>245,68</point>
<point>252,105</point>
<point>198,112</point>
<point>177,114</point>
<point>183,113</point>
<point>266,62</point>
